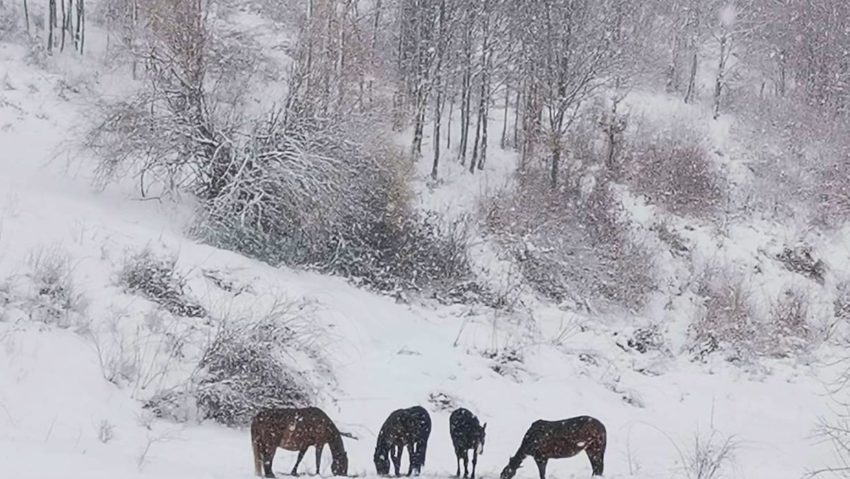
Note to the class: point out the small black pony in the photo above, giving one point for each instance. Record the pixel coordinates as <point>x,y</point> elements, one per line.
<point>404,427</point>
<point>467,433</point>
<point>546,440</point>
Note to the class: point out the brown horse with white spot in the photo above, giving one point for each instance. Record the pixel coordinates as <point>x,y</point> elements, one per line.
<point>546,440</point>
<point>296,429</point>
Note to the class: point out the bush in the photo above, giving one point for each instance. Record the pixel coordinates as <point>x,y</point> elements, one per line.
<point>54,299</point>
<point>799,260</point>
<point>337,209</point>
<point>710,455</point>
<point>297,186</point>
<point>802,156</point>
<point>727,321</point>
<point>248,367</point>
<point>572,243</point>
<point>156,278</point>
<point>672,169</point>
<point>731,322</point>
<point>790,321</point>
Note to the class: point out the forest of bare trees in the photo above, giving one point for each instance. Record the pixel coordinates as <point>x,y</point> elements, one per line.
<point>535,62</point>
<point>544,79</point>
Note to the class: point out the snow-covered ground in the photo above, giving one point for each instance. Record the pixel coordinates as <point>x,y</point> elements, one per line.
<point>56,407</point>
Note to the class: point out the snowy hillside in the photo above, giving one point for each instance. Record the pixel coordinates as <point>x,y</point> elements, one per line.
<point>113,307</point>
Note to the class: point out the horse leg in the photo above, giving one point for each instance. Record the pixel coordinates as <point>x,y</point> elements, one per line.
<point>396,456</point>
<point>413,459</point>
<point>541,466</point>
<point>465,458</point>
<point>596,455</point>
<point>457,456</point>
<point>298,461</point>
<point>268,457</point>
<point>474,460</point>
<point>319,449</point>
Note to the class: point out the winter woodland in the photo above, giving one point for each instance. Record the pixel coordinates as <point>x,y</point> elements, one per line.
<point>637,210</point>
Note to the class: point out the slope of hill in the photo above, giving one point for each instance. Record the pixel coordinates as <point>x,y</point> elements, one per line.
<point>69,409</point>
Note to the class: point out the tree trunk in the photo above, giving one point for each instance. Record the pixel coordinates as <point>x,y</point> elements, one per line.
<point>51,19</point>
<point>556,161</point>
<point>781,87</point>
<point>721,72</point>
<point>504,139</point>
<point>64,23</point>
<point>340,59</point>
<point>438,114</point>
<point>438,80</point>
<point>466,91</point>
<point>81,26</point>
<point>27,15</point>
<point>517,117</point>
<point>692,79</point>
<point>134,19</point>
<point>484,112</point>
<point>474,160</point>
<point>449,119</point>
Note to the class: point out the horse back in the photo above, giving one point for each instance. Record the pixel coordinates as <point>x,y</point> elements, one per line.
<point>292,428</point>
<point>564,438</point>
<point>463,428</point>
<point>405,425</point>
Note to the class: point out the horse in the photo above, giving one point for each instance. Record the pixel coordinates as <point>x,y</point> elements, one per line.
<point>296,429</point>
<point>546,440</point>
<point>467,433</point>
<point>404,427</point>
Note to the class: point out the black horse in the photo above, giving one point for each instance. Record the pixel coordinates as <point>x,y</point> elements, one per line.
<point>467,433</point>
<point>404,427</point>
<point>546,440</point>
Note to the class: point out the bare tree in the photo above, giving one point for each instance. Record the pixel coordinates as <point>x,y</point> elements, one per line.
<point>571,41</point>
<point>479,147</point>
<point>444,19</point>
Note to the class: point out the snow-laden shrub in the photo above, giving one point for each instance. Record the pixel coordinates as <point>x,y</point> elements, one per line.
<point>841,303</point>
<point>442,401</point>
<point>306,196</point>
<point>250,366</point>
<point>53,298</point>
<point>673,169</point>
<point>732,322</point>
<point>791,322</point>
<point>798,259</point>
<point>157,279</point>
<point>801,155</point>
<point>296,186</point>
<point>572,243</point>
<point>709,456</point>
<point>728,319</point>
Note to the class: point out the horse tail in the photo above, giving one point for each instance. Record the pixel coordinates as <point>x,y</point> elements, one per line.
<point>258,459</point>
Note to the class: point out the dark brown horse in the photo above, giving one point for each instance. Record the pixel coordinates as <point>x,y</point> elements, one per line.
<point>296,430</point>
<point>467,433</point>
<point>546,440</point>
<point>409,427</point>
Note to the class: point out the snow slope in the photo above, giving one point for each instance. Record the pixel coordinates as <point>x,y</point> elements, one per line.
<point>55,404</point>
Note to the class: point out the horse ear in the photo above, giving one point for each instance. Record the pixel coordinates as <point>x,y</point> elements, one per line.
<point>484,426</point>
